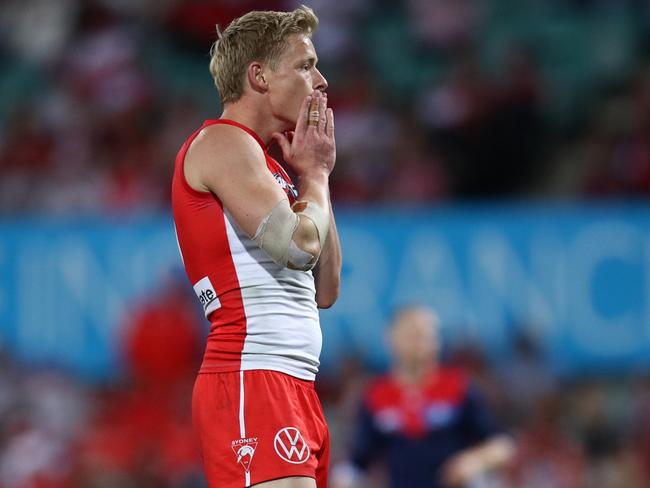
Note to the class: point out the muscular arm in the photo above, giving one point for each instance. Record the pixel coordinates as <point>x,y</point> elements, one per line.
<point>328,269</point>
<point>229,163</point>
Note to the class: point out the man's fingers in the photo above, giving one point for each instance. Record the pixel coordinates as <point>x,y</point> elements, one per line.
<point>329,130</point>
<point>314,112</point>
<point>301,124</point>
<point>322,107</point>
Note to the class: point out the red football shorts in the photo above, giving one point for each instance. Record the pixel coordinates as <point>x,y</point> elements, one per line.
<point>256,426</point>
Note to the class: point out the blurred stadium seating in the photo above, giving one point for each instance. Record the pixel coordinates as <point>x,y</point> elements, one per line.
<point>493,162</point>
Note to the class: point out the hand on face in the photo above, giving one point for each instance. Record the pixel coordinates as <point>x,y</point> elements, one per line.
<point>311,147</point>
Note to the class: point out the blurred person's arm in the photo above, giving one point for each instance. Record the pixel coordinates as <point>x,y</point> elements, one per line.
<point>489,447</point>
<point>470,464</point>
<point>327,273</point>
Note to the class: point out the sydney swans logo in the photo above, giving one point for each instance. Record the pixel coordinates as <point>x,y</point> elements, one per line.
<point>290,446</point>
<point>245,449</point>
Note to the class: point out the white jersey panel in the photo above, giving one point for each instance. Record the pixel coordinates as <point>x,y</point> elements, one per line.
<point>282,324</point>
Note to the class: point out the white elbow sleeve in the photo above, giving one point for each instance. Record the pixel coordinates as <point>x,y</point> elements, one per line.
<point>317,215</point>
<point>275,234</point>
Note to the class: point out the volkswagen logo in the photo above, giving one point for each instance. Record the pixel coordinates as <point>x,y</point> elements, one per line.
<point>291,446</point>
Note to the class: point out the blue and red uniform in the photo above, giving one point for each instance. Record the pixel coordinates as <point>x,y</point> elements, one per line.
<point>414,429</point>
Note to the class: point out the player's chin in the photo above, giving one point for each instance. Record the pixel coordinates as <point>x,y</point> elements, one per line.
<point>290,118</point>
<point>295,113</point>
<point>288,124</point>
<point>289,121</point>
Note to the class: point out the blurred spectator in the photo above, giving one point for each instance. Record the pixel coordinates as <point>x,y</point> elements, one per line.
<point>162,338</point>
<point>417,172</point>
<point>142,432</point>
<point>547,455</point>
<point>49,413</point>
<point>445,24</point>
<point>491,132</point>
<point>524,378</point>
<point>427,422</point>
<point>365,135</point>
<point>37,30</point>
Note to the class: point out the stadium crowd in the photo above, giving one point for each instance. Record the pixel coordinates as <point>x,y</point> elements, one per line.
<point>435,100</point>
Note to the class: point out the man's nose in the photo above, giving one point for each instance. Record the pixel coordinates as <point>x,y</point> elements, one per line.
<point>320,83</point>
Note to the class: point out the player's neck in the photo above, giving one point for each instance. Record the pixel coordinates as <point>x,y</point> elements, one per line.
<point>252,117</point>
<point>414,373</point>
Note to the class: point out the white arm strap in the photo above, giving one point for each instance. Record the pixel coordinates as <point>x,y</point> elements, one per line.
<point>275,234</point>
<point>317,215</point>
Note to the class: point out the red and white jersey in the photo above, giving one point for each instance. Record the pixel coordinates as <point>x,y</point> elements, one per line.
<point>263,316</point>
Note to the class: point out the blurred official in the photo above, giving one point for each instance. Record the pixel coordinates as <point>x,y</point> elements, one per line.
<point>426,422</point>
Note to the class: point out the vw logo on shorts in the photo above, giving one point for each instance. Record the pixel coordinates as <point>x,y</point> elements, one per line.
<point>290,446</point>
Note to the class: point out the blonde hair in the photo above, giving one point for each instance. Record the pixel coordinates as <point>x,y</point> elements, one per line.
<point>255,36</point>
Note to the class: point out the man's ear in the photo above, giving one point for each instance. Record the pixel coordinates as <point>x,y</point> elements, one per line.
<point>256,78</point>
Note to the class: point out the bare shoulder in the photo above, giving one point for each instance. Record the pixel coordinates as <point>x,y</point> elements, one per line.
<point>220,149</point>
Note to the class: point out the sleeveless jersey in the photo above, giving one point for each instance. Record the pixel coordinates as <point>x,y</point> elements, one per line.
<point>262,315</point>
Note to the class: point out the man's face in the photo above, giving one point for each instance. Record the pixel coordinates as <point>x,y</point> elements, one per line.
<point>414,336</point>
<point>295,77</point>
